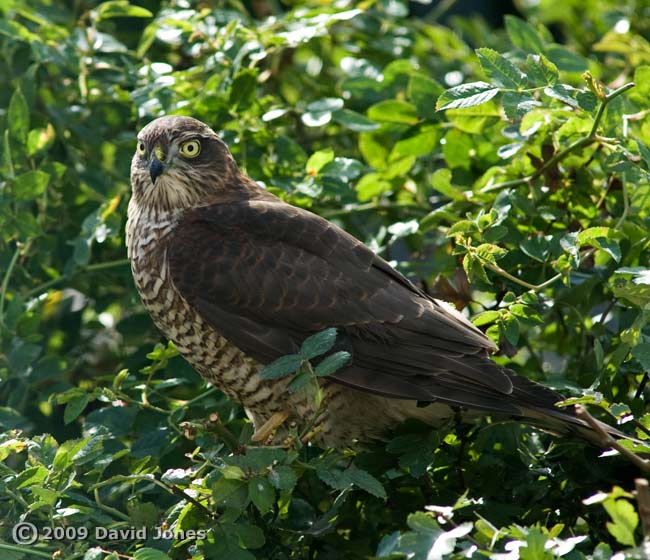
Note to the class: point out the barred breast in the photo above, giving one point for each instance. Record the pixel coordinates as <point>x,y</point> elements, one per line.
<point>349,415</point>
<point>221,363</point>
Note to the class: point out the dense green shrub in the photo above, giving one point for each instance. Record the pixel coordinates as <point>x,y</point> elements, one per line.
<point>502,169</point>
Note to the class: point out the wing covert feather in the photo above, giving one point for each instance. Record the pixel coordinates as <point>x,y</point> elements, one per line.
<point>267,275</point>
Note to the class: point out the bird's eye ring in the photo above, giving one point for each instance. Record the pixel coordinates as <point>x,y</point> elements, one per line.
<point>141,148</point>
<point>191,148</point>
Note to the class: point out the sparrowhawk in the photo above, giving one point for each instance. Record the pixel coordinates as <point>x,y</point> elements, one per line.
<point>238,278</point>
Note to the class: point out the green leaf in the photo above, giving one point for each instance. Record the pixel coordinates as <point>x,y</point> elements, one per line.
<point>535,548</point>
<point>458,150</point>
<point>541,71</point>
<point>645,152</point>
<point>318,160</point>
<point>423,92</point>
<point>283,477</point>
<point>486,318</point>
<point>31,476</point>
<point>564,93</point>
<point>641,353</point>
<point>354,121</point>
<point>143,514</point>
<point>344,169</point>
<point>121,8</point>
<point>242,91</point>
<point>326,104</point>
<point>441,181</point>
<point>587,101</point>
<point>181,477</point>
<point>462,226</point>
<point>317,344</point>
<point>40,139</point>
<point>149,554</point>
<point>603,238</point>
<point>500,70</point>
<point>250,536</point>
<point>18,116</point>
<point>332,363</point>
<point>31,184</point>
<point>566,60</point>
<point>417,145</point>
<point>415,451</point>
<point>302,379</point>
<point>624,520</point>
<point>370,186</point>
<point>373,150</point>
<point>523,35</point>
<point>366,481</point>
<point>510,329</point>
<point>95,553</point>
<point>574,127</point>
<point>75,406</point>
<point>282,367</point>
<point>466,95</point>
<point>474,119</point>
<point>261,494</point>
<point>394,112</point>
<point>490,253</point>
<point>6,161</point>
<point>232,493</point>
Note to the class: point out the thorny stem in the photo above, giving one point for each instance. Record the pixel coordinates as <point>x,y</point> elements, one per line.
<point>573,147</point>
<point>608,441</point>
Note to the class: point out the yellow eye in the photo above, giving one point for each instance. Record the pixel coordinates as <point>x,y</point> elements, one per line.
<point>191,148</point>
<point>141,148</point>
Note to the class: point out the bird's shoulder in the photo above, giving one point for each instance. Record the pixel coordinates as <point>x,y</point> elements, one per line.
<point>270,223</point>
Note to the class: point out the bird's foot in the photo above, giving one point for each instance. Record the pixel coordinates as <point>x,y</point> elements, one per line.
<point>267,429</point>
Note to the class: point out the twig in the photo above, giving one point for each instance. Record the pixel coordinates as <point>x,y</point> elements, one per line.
<point>215,423</point>
<point>633,117</point>
<point>608,441</point>
<point>171,488</point>
<point>181,494</point>
<point>626,205</point>
<point>369,206</point>
<point>90,268</point>
<point>533,288</point>
<point>5,283</point>
<point>573,147</point>
<point>643,499</point>
<point>109,509</point>
<point>30,550</point>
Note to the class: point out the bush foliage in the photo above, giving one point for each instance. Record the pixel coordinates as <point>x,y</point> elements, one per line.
<point>505,170</point>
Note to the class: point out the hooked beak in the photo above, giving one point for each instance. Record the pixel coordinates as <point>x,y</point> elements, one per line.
<point>156,167</point>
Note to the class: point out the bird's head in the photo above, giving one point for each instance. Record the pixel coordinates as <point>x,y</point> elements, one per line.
<point>179,162</point>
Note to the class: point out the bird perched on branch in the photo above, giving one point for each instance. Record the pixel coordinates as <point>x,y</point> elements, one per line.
<point>238,278</point>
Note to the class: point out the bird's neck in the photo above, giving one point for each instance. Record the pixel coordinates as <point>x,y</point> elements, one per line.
<point>147,226</point>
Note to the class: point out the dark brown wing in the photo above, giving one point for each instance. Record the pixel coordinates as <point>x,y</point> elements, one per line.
<point>266,275</point>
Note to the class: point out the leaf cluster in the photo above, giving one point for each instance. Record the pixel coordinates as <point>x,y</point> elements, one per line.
<point>504,170</point>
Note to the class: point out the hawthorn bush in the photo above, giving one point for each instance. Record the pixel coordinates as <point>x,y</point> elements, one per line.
<point>502,169</point>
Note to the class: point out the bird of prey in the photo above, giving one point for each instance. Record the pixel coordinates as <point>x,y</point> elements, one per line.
<point>237,278</point>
